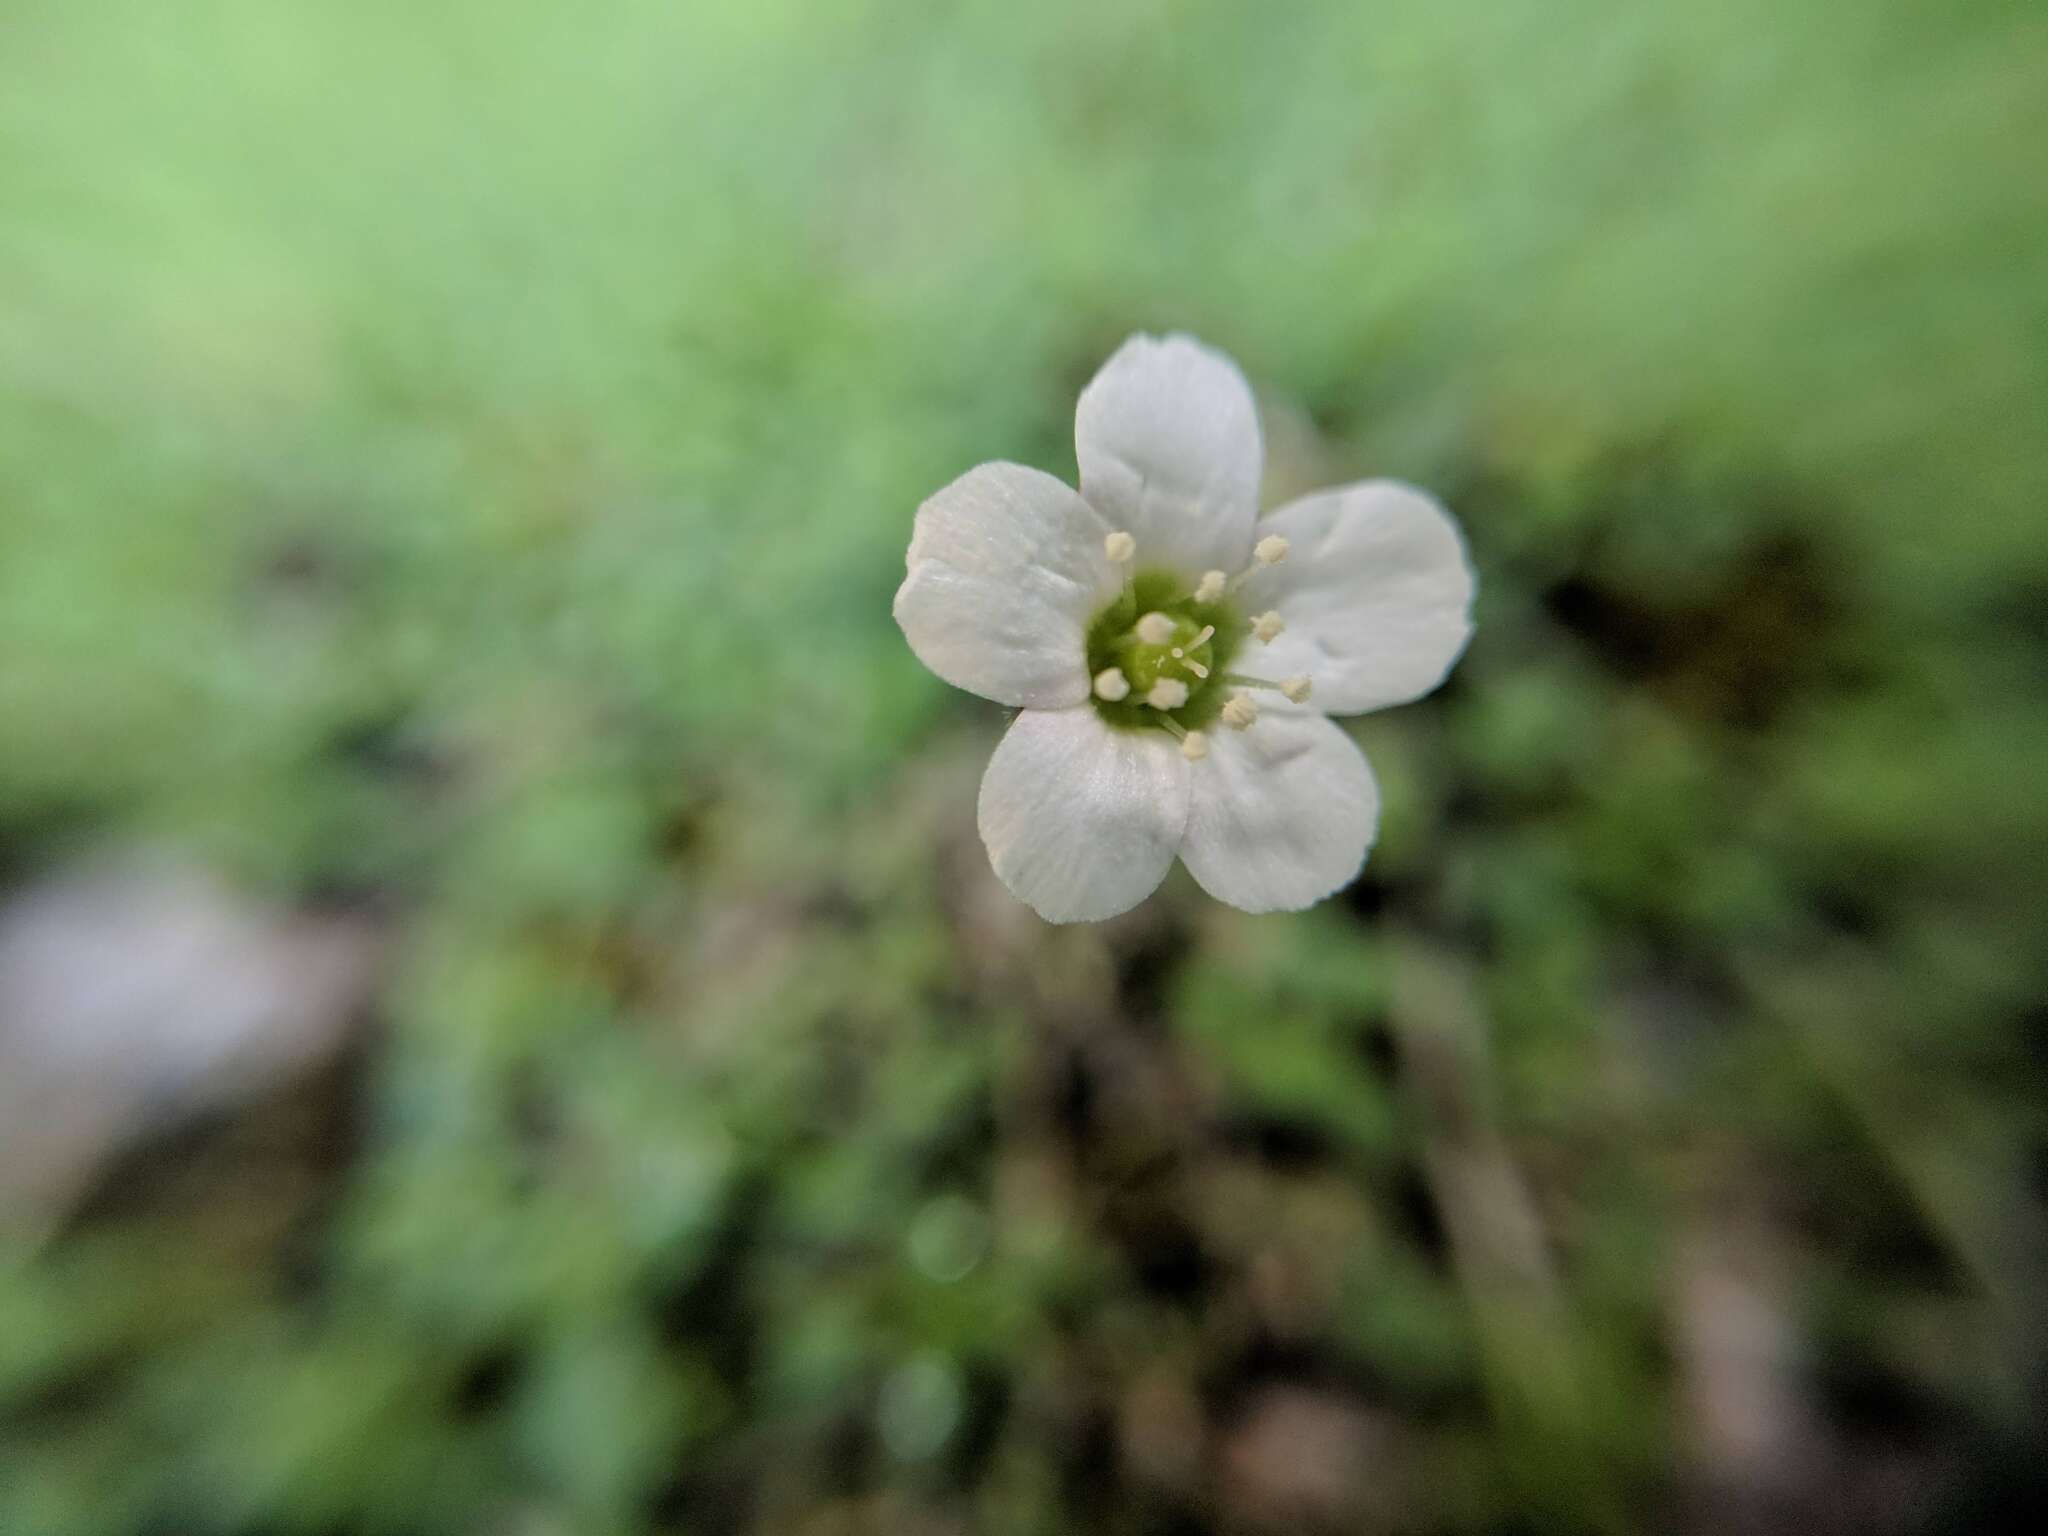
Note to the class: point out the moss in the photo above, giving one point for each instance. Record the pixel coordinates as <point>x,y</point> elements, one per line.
<point>456,459</point>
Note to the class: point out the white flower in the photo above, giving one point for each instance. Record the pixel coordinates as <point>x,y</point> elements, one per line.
<point>1101,614</point>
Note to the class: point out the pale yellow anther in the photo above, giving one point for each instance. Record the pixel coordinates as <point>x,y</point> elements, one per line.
<point>1211,586</point>
<point>1239,711</point>
<point>1270,550</point>
<point>1120,547</point>
<point>1194,746</point>
<point>1268,626</point>
<point>1155,629</point>
<point>1111,686</point>
<point>1296,689</point>
<point>1167,693</point>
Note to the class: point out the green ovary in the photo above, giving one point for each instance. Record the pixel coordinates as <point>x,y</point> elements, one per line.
<point>1113,641</point>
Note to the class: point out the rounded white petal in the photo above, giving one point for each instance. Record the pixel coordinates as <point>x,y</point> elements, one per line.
<point>1376,595</point>
<point>1168,440</point>
<point>1280,815</point>
<point>1082,820</point>
<point>1006,568</point>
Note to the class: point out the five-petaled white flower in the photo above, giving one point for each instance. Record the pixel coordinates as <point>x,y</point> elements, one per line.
<point>1174,654</point>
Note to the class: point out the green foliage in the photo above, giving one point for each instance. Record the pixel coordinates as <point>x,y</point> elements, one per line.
<point>460,457</point>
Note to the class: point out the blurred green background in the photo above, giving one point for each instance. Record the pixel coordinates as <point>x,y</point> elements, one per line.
<point>455,461</point>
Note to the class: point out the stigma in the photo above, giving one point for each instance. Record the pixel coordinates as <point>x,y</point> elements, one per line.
<point>1171,639</point>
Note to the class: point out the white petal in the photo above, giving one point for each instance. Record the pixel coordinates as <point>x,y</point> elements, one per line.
<point>1168,441</point>
<point>1082,820</point>
<point>1376,593</point>
<point>1006,568</point>
<point>1280,815</point>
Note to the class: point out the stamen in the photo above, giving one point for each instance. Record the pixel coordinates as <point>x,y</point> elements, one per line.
<point>1194,746</point>
<point>1120,547</point>
<point>1167,693</point>
<point>1155,629</point>
<point>1211,586</point>
<point>1239,711</point>
<point>1270,550</point>
<point>1296,688</point>
<point>1268,626</point>
<point>1111,686</point>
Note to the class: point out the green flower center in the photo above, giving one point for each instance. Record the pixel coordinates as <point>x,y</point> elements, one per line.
<point>1161,640</point>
